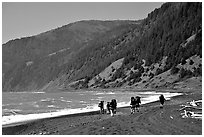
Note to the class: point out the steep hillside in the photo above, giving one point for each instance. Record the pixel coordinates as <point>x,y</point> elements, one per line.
<point>157,52</point>
<point>30,63</point>
<point>152,52</point>
<point>72,36</point>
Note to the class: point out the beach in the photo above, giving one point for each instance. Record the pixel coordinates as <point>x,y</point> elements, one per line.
<point>150,120</point>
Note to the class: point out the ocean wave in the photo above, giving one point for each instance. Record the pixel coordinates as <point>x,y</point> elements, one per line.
<point>23,118</point>
<point>51,106</point>
<point>12,104</point>
<point>100,97</point>
<point>10,112</point>
<point>81,101</point>
<point>99,93</point>
<point>95,99</point>
<point>47,99</point>
<point>40,92</point>
<point>11,119</point>
<point>37,106</point>
<point>26,92</point>
<point>105,93</point>
<point>110,93</point>
<point>148,92</point>
<point>68,101</point>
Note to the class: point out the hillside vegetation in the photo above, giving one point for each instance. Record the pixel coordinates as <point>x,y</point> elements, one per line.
<point>157,52</point>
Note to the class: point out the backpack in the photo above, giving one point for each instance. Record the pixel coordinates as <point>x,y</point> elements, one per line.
<point>113,103</point>
<point>132,101</point>
<point>161,97</point>
<point>99,105</point>
<point>138,99</point>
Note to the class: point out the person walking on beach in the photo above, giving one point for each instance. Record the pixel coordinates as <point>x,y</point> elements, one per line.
<point>113,106</point>
<point>138,102</point>
<point>101,105</point>
<point>161,99</point>
<point>108,108</point>
<point>132,105</point>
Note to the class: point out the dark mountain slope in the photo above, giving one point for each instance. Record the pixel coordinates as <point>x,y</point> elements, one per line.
<point>29,63</point>
<point>72,36</point>
<point>160,35</point>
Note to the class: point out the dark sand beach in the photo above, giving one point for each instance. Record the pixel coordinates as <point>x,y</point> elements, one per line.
<point>150,120</point>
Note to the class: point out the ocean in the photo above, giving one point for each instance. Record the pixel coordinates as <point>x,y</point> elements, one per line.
<point>24,106</point>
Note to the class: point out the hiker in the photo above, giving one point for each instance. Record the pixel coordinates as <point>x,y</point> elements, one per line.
<point>113,106</point>
<point>138,102</point>
<point>108,108</point>
<point>101,105</point>
<point>132,105</point>
<point>161,99</point>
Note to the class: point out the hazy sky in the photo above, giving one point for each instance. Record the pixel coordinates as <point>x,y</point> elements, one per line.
<point>27,19</point>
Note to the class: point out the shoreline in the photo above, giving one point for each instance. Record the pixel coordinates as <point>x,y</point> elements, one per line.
<point>61,113</point>
<point>78,121</point>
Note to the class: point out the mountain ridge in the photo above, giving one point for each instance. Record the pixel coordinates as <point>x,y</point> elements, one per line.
<point>143,44</point>
<point>20,55</point>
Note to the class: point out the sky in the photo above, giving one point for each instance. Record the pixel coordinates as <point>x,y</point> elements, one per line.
<point>21,19</point>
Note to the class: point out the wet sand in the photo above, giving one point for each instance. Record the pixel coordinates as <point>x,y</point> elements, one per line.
<point>150,120</point>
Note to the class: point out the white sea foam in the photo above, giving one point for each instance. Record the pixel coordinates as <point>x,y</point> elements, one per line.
<point>99,93</point>
<point>40,92</point>
<point>149,99</point>
<point>47,99</point>
<point>50,106</point>
<point>68,101</point>
<point>29,117</point>
<point>12,104</point>
<point>81,101</point>
<point>95,99</point>
<point>26,92</point>
<point>11,110</point>
<point>110,93</point>
<point>123,104</point>
<point>100,98</point>
<point>104,93</point>
<point>148,92</point>
<point>155,97</point>
<point>37,106</point>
